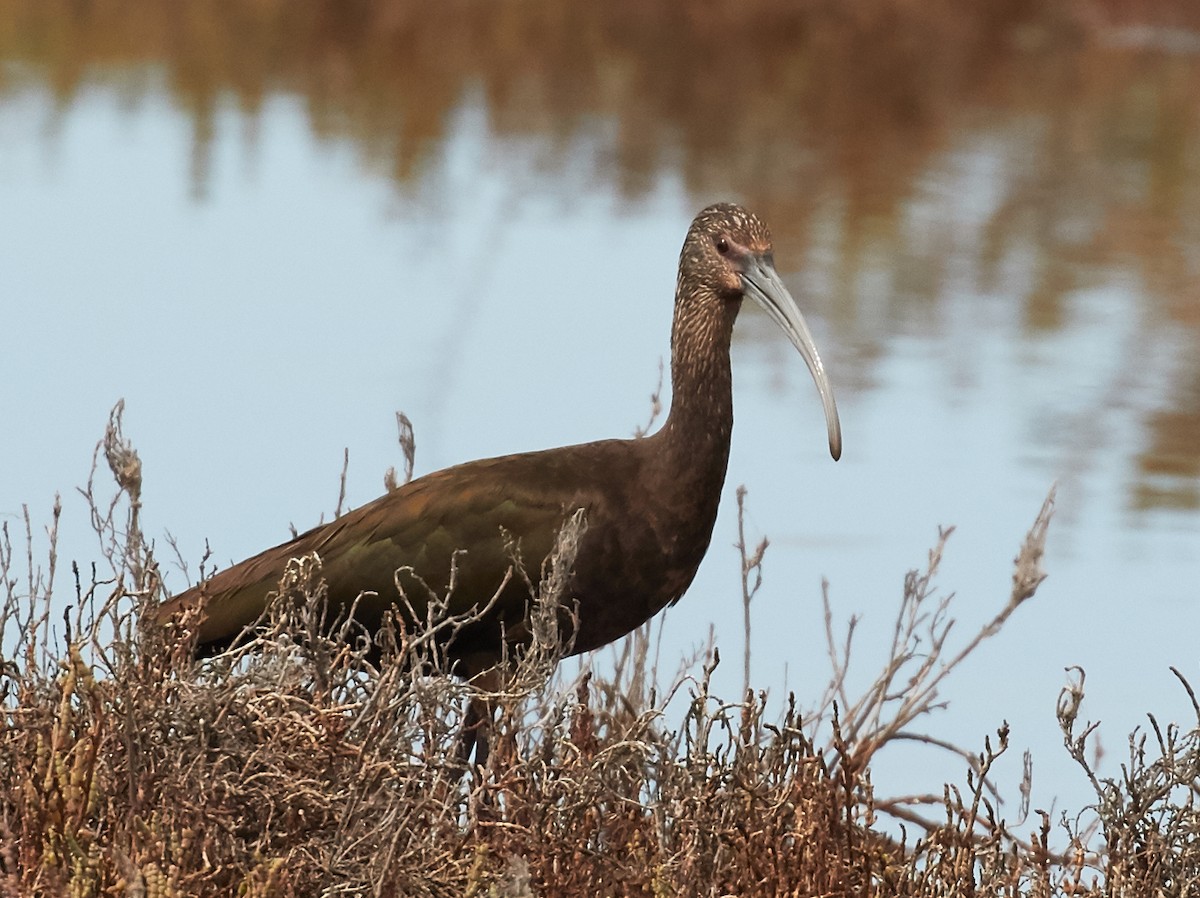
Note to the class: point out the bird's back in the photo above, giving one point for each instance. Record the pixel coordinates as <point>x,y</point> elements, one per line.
<point>473,517</point>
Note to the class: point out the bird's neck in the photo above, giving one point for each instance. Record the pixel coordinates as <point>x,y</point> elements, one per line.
<point>695,437</point>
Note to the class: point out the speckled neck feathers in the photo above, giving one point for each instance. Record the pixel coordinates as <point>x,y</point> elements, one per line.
<point>699,425</point>
<point>692,450</point>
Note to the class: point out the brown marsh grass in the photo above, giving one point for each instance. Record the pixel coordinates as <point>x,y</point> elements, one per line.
<point>303,763</point>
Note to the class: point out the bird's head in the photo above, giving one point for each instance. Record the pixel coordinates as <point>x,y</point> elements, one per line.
<point>729,250</point>
<point>724,242</point>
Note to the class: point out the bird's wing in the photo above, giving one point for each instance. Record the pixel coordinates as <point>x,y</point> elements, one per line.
<point>483,508</point>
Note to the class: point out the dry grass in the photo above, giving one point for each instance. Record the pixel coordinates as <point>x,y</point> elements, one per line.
<point>297,765</point>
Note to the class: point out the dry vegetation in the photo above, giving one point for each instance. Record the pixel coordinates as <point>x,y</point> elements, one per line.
<point>305,765</point>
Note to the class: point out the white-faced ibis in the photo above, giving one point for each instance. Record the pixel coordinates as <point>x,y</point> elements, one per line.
<point>649,504</point>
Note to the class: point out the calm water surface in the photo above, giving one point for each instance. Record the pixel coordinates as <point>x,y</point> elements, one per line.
<point>269,234</point>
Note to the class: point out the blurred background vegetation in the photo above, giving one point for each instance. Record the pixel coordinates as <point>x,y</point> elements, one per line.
<point>1094,108</point>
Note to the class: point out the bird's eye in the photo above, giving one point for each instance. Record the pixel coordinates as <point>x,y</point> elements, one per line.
<point>722,245</point>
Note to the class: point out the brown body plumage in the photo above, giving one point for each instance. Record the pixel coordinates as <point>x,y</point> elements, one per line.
<point>649,504</point>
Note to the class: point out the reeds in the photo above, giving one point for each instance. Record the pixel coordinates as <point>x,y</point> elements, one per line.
<point>310,761</point>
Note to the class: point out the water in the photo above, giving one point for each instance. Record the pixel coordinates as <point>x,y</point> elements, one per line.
<point>998,263</point>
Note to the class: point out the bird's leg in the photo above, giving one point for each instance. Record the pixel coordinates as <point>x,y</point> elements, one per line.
<point>476,731</point>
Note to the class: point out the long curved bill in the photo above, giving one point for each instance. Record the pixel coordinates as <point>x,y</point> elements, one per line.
<point>763,285</point>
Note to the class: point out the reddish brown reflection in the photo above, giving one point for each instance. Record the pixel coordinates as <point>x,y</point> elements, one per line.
<point>789,106</point>
<point>1170,465</point>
